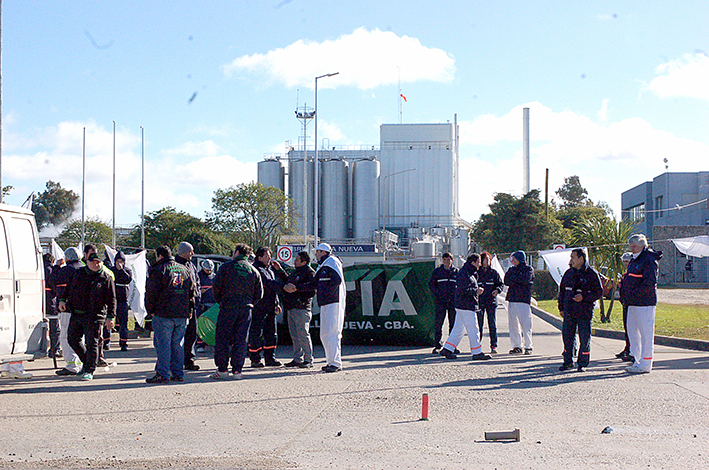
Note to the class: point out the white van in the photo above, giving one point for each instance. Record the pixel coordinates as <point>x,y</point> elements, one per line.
<point>21,286</point>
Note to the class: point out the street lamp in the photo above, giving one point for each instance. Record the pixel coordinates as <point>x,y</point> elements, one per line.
<point>316,207</point>
<point>384,181</point>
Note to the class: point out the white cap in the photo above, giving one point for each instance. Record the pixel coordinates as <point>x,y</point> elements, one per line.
<point>324,247</point>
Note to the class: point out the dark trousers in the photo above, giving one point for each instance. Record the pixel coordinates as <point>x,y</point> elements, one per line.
<point>625,329</point>
<point>262,334</point>
<point>568,331</point>
<point>230,338</point>
<point>490,310</point>
<point>53,337</point>
<point>89,329</point>
<point>441,310</point>
<point>122,319</point>
<point>191,339</point>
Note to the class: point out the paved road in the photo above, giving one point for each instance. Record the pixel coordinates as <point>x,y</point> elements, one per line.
<point>367,417</point>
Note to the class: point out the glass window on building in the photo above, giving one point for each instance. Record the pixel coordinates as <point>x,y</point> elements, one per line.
<point>637,213</point>
<point>658,206</point>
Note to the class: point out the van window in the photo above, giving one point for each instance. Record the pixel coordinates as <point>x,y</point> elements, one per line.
<point>4,251</point>
<point>24,248</point>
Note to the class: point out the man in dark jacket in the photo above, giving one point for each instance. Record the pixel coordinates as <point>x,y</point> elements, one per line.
<point>91,299</point>
<point>237,287</point>
<point>298,302</point>
<point>169,298</point>
<point>489,279</point>
<point>262,333</point>
<point>442,285</point>
<point>519,278</point>
<point>50,296</point>
<point>330,286</point>
<point>466,306</point>
<point>640,295</point>
<point>60,280</point>
<point>123,277</point>
<point>579,289</point>
<point>185,251</point>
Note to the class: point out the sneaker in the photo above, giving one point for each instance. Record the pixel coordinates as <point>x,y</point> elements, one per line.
<point>87,376</point>
<point>566,367</point>
<point>221,375</point>
<point>272,362</point>
<point>636,370</point>
<point>628,358</point>
<point>580,369</point>
<point>481,357</point>
<point>124,347</point>
<point>257,364</point>
<point>177,379</point>
<point>237,375</point>
<point>191,366</point>
<point>306,365</point>
<point>436,350</point>
<point>448,354</point>
<point>527,351</point>
<point>330,368</point>
<point>621,354</point>
<point>101,363</point>
<point>516,351</point>
<point>65,371</point>
<point>157,379</point>
<point>493,350</point>
<point>293,363</point>
<point>12,374</point>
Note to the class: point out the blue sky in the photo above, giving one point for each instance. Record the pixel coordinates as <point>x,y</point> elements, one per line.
<point>612,87</point>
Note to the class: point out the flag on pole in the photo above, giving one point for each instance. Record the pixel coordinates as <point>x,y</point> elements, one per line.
<point>136,292</point>
<point>57,251</point>
<point>402,95</point>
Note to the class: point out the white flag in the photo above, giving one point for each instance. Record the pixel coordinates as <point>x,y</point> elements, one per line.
<point>57,251</point>
<point>136,292</point>
<point>558,261</point>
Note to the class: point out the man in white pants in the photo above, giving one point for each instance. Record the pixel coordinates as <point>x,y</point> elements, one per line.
<point>520,278</point>
<point>61,279</point>
<point>330,287</point>
<point>640,295</point>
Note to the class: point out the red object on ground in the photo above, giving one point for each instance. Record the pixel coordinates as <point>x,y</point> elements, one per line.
<point>424,407</point>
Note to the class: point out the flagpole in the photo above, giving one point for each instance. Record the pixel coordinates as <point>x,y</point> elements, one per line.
<point>142,187</point>
<point>83,192</point>
<point>400,106</point>
<point>113,238</point>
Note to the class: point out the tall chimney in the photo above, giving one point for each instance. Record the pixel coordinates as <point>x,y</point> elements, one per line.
<point>525,151</point>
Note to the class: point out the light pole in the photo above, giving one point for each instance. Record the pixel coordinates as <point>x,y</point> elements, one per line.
<point>316,202</point>
<point>384,182</point>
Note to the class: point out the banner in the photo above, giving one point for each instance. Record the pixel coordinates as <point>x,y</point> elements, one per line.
<point>57,251</point>
<point>136,293</point>
<point>558,261</point>
<point>693,246</point>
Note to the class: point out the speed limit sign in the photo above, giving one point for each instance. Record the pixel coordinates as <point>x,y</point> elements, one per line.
<point>284,253</point>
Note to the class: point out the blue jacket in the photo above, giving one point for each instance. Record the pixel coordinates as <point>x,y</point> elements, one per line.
<point>328,283</point>
<point>442,284</point>
<point>519,279</point>
<point>466,289</point>
<point>273,281</point>
<point>586,282</point>
<point>489,279</point>
<point>639,286</point>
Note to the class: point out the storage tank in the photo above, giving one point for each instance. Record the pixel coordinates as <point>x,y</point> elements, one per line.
<point>271,173</point>
<point>415,233</point>
<point>333,199</point>
<point>295,191</point>
<point>365,198</point>
<point>439,231</point>
<point>460,247</point>
<point>423,249</point>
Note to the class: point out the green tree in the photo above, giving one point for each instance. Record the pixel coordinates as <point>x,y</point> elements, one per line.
<point>252,213</point>
<point>516,223</point>
<point>6,190</point>
<point>606,239</point>
<point>166,226</point>
<point>96,231</point>
<point>54,206</point>
<point>572,193</point>
<point>570,216</point>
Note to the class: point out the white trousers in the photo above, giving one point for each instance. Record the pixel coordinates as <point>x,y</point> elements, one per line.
<point>332,319</point>
<point>519,316</point>
<point>641,334</point>
<point>465,320</point>
<point>73,363</point>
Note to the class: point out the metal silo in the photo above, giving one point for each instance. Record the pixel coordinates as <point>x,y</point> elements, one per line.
<point>334,199</point>
<point>365,198</point>
<point>271,173</point>
<point>295,191</point>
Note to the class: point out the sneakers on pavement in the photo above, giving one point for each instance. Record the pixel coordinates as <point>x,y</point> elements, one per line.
<point>177,379</point>
<point>527,351</point>
<point>157,379</point>
<point>636,370</point>
<point>191,366</point>
<point>221,375</point>
<point>293,363</point>
<point>87,376</point>
<point>481,357</point>
<point>65,371</point>
<point>448,354</point>
<point>493,350</point>
<point>101,363</point>
<point>306,365</point>
<point>516,351</point>
<point>566,367</point>
<point>271,362</point>
<point>257,364</point>
<point>330,368</point>
<point>12,374</point>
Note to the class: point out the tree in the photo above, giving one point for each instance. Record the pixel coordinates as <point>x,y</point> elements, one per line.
<point>54,206</point>
<point>572,193</point>
<point>516,223</point>
<point>166,226</point>
<point>6,190</point>
<point>96,231</point>
<point>252,213</point>
<point>606,239</point>
<point>570,216</point>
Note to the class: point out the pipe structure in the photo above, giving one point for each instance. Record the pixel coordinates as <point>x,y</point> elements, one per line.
<point>83,193</point>
<point>525,151</point>
<point>113,231</point>
<point>142,187</point>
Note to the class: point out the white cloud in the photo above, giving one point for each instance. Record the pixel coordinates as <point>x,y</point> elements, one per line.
<point>603,112</point>
<point>365,59</point>
<point>687,76</point>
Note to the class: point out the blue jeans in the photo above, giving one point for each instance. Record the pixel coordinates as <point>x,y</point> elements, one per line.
<point>568,331</point>
<point>168,337</point>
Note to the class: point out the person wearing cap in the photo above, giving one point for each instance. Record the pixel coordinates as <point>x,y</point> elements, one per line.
<point>105,338</point>
<point>91,299</point>
<point>206,281</point>
<point>169,298</point>
<point>331,294</point>
<point>579,289</point>
<point>442,286</point>
<point>61,279</point>
<point>49,299</point>
<point>185,252</point>
<point>519,279</point>
<point>466,307</point>
<point>489,279</point>
<point>624,355</point>
<point>123,276</point>
<point>640,294</point>
<point>237,287</point>
<point>262,333</point>
<point>298,302</point>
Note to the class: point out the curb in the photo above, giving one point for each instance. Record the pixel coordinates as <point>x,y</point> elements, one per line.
<point>684,343</point>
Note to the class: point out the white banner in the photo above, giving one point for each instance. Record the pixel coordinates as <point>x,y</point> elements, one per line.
<point>558,261</point>
<point>57,251</point>
<point>136,293</point>
<point>693,246</point>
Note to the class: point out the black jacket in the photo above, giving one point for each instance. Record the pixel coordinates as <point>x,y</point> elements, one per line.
<point>489,279</point>
<point>169,291</point>
<point>62,277</point>
<point>123,278</point>
<point>195,277</point>
<point>303,278</point>
<point>519,279</point>
<point>466,289</point>
<point>639,286</point>
<point>206,282</point>
<point>327,284</point>
<point>584,281</point>
<point>237,284</point>
<point>273,281</point>
<point>442,284</point>
<point>91,294</point>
